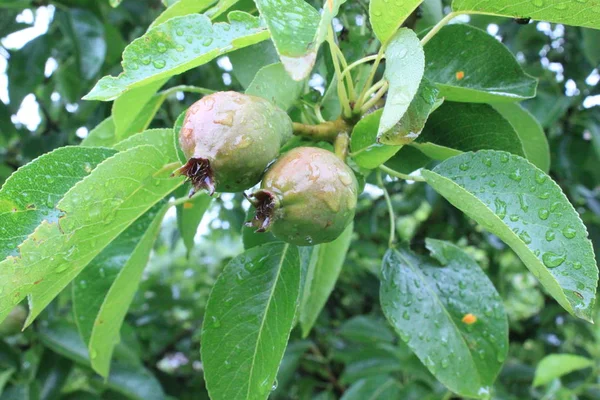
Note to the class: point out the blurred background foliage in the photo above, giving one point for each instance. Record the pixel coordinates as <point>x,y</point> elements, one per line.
<point>51,54</point>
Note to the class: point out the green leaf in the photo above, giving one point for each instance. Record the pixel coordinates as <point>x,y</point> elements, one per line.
<point>366,151</point>
<point>408,160</point>
<point>96,210</point>
<point>103,135</point>
<point>87,34</point>
<point>103,291</point>
<point>382,387</point>
<point>248,320</point>
<point>53,372</point>
<point>521,205</point>
<point>189,216</point>
<point>405,62</point>
<point>569,12</point>
<point>530,132</point>
<point>128,106</point>
<point>248,61</point>
<point>182,7</point>
<point>556,365</point>
<point>413,121</point>
<point>324,269</point>
<point>467,127</point>
<point>293,25</point>
<point>449,313</point>
<point>221,7</point>
<point>176,46</point>
<point>30,195</point>
<point>387,17</point>
<point>283,94</point>
<point>469,65</point>
<point>431,13</point>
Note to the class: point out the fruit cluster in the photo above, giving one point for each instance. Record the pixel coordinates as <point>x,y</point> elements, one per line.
<point>232,141</point>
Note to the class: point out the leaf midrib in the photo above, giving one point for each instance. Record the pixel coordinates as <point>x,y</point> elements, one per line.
<point>264,318</point>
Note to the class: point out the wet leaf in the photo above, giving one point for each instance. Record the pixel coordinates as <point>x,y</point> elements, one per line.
<point>365,150</point>
<point>103,291</point>
<point>248,320</point>
<point>521,205</point>
<point>95,211</point>
<point>176,46</point>
<point>293,25</point>
<point>248,61</point>
<point>568,12</point>
<point>325,266</point>
<point>405,63</point>
<point>413,121</point>
<point>556,365</point>
<point>387,16</point>
<point>449,313</point>
<point>469,65</point>
<point>30,195</point>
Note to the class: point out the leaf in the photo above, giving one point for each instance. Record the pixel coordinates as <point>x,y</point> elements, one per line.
<point>471,66</point>
<point>405,62</point>
<point>413,121</point>
<point>363,143</point>
<point>467,127</point>
<point>87,33</point>
<point>293,25</point>
<point>128,106</point>
<point>52,375</point>
<point>248,61</point>
<point>521,205</point>
<point>180,8</point>
<point>569,12</point>
<point>324,269</point>
<point>176,46</point>
<point>30,195</point>
<point>189,216</point>
<point>283,94</point>
<point>386,17</point>
<point>103,135</point>
<point>431,13</point>
<point>248,320</point>
<point>408,160</point>
<point>449,313</point>
<point>556,365</point>
<point>104,290</point>
<point>96,210</point>
<point>381,387</point>
<point>530,132</point>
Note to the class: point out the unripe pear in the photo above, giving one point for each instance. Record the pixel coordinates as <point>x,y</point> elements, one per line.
<point>308,196</point>
<point>229,139</point>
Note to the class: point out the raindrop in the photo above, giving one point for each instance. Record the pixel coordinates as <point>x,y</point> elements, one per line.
<point>179,32</point>
<point>543,213</point>
<point>540,177</point>
<point>550,235</point>
<point>487,161</point>
<point>162,47</point>
<point>544,195</point>
<point>516,175</point>
<point>524,236</point>
<point>569,232</point>
<point>464,167</point>
<point>500,208</point>
<point>555,206</point>
<point>445,363</point>
<point>93,353</point>
<point>159,64</point>
<point>215,321</point>
<point>207,41</point>
<point>504,158</point>
<point>553,260</point>
<point>406,315</point>
<point>577,265</point>
<point>514,218</point>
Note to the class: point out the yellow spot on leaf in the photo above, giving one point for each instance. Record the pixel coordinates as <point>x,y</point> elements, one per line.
<point>188,205</point>
<point>460,75</point>
<point>469,319</point>
<point>330,3</point>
